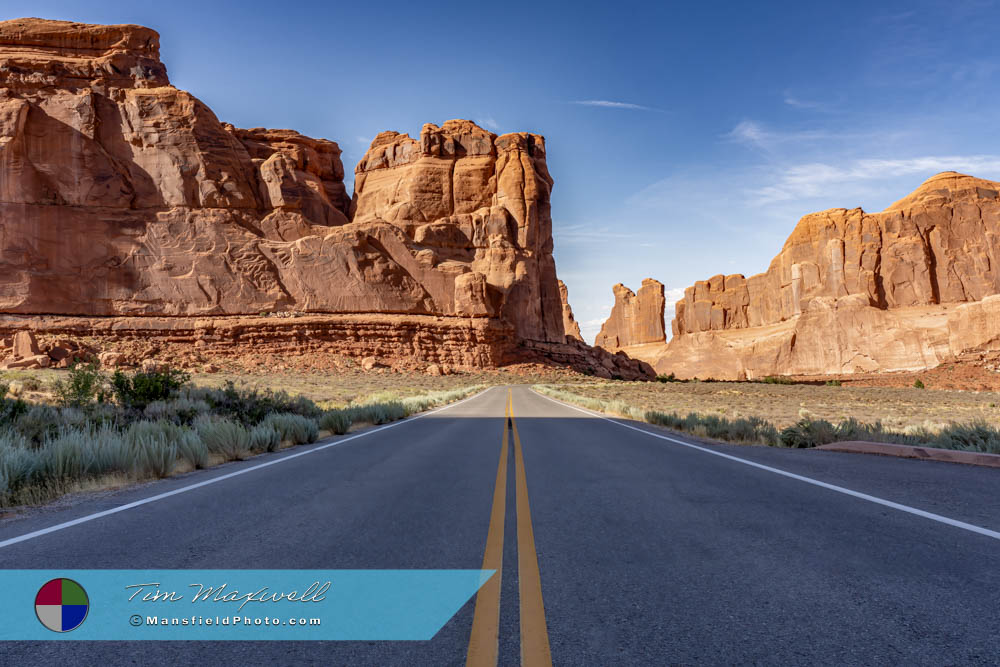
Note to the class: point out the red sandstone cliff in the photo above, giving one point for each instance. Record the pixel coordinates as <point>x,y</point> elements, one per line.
<point>850,291</point>
<point>570,325</point>
<point>122,196</point>
<point>636,318</point>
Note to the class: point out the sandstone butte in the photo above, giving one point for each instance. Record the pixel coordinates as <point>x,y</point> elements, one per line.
<point>570,326</point>
<point>636,319</point>
<point>129,212</point>
<point>906,289</point>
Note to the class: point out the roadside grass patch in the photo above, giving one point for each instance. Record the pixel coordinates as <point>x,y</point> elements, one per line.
<point>977,435</point>
<point>103,433</point>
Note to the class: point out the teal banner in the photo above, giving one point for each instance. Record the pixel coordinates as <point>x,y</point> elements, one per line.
<point>259,605</point>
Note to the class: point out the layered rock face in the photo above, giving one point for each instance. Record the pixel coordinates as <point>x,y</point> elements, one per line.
<point>850,291</point>
<point>122,196</point>
<point>570,325</point>
<point>636,318</point>
<point>474,210</point>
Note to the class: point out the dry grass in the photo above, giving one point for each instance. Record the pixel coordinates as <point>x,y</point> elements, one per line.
<point>783,405</point>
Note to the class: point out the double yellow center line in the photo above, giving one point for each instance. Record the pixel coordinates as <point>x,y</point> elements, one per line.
<point>484,640</point>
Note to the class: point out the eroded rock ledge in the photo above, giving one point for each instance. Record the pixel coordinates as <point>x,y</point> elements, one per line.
<point>124,197</point>
<point>905,289</point>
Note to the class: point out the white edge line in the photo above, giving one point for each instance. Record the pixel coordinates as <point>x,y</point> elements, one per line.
<point>243,471</point>
<point>808,480</point>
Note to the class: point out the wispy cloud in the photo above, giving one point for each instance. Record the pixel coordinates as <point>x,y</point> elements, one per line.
<point>488,121</point>
<point>610,104</point>
<point>805,181</point>
<point>755,135</point>
<point>580,233</point>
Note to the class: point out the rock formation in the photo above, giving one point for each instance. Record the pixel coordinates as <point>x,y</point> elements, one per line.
<point>124,197</point>
<point>636,319</point>
<point>570,325</point>
<point>904,289</point>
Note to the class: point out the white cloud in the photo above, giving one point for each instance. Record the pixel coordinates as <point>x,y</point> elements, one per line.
<point>488,121</point>
<point>609,104</point>
<point>815,179</point>
<point>801,104</point>
<point>754,135</point>
<point>580,233</point>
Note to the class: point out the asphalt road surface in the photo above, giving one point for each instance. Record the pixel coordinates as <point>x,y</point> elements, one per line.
<point>615,545</point>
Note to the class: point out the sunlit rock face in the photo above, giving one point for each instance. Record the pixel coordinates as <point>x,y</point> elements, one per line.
<point>904,289</point>
<point>122,195</point>
<point>636,318</point>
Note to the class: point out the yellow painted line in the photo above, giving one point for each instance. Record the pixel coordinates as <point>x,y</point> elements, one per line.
<point>483,641</point>
<point>534,633</point>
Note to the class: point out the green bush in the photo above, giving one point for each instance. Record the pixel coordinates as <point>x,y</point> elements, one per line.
<point>186,442</point>
<point>833,383</point>
<point>144,387</point>
<point>3,390</point>
<point>180,410</point>
<point>335,421</point>
<point>377,413</point>
<point>224,437</point>
<point>251,406</point>
<point>745,430</point>
<point>977,436</point>
<point>84,386</point>
<point>17,463</point>
<point>667,378</point>
<point>809,433</point>
<point>918,384</point>
<point>38,422</point>
<point>264,438</point>
<point>775,379</point>
<point>300,430</point>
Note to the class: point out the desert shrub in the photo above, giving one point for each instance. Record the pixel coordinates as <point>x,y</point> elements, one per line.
<point>667,378</point>
<point>918,384</point>
<point>16,465</point>
<point>809,433</point>
<point>84,386</point>
<point>833,383</point>
<point>180,410</point>
<point>144,387</point>
<point>335,421</point>
<point>377,413</point>
<point>298,429</point>
<point>224,437</point>
<point>977,436</point>
<point>265,437</point>
<point>4,387</point>
<point>747,430</point>
<point>152,452</point>
<point>38,422</point>
<point>186,442</point>
<point>777,379</point>
<point>251,406</point>
<point>106,448</point>
<point>62,458</point>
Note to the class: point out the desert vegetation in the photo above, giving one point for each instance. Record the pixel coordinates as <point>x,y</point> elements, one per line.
<point>977,434</point>
<point>88,428</point>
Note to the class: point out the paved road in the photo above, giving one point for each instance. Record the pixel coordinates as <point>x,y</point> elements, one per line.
<point>647,551</point>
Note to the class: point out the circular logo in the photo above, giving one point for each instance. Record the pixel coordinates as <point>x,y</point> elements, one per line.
<point>61,605</point>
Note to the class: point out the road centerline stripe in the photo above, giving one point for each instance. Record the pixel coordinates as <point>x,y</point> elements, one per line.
<point>535,651</point>
<point>972,528</point>
<point>484,640</point>
<point>213,480</point>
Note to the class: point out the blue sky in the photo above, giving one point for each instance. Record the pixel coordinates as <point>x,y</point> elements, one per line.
<point>685,139</point>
